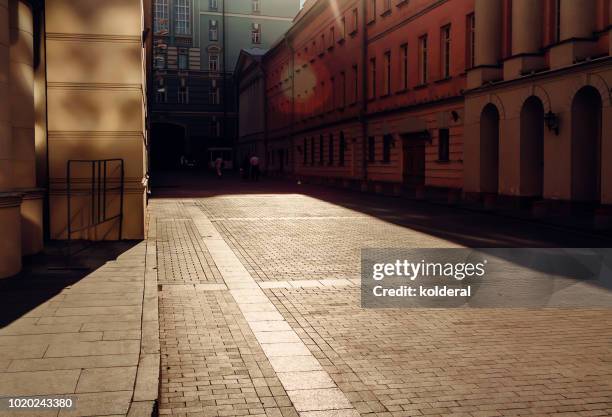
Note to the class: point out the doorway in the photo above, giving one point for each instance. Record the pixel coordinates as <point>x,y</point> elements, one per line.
<point>586,145</point>
<point>413,151</point>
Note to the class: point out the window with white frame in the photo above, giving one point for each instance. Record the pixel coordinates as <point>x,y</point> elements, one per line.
<point>445,39</point>
<point>183,60</point>
<point>423,58</point>
<point>256,33</point>
<point>213,62</point>
<point>387,74</point>
<point>404,66</point>
<point>213,4</point>
<point>182,13</point>
<point>160,21</point>
<point>214,96</point>
<point>256,6</point>
<point>213,30</point>
<point>471,41</point>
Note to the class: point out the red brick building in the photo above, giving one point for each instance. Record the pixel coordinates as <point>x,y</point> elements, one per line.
<point>505,101</point>
<point>375,97</point>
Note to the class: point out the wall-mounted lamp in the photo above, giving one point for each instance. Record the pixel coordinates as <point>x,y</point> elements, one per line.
<point>551,120</point>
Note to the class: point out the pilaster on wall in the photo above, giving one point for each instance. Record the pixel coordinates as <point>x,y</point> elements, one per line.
<point>95,104</point>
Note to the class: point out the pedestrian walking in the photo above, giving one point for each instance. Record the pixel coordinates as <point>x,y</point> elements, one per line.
<point>254,161</point>
<point>219,167</point>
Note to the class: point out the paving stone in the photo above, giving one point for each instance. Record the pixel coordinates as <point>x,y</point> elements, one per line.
<point>120,347</point>
<point>319,399</point>
<point>305,380</point>
<point>106,379</point>
<point>99,403</point>
<point>270,326</point>
<point>277,337</point>
<point>295,363</point>
<point>73,362</point>
<point>254,316</point>
<point>285,349</point>
<point>39,383</point>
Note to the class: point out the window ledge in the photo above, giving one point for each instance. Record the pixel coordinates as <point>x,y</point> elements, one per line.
<point>402,3</point>
<point>386,13</point>
<point>443,161</point>
<point>402,91</point>
<point>421,86</point>
<point>443,80</point>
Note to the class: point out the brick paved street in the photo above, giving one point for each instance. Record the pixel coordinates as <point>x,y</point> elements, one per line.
<point>260,313</point>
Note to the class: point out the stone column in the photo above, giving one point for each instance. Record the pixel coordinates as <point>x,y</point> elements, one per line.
<point>21,75</point>
<point>10,217</point>
<point>610,24</point>
<point>526,26</point>
<point>488,15</point>
<point>577,18</point>
<point>6,154</point>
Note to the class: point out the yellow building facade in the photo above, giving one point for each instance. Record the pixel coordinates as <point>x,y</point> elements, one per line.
<point>72,88</point>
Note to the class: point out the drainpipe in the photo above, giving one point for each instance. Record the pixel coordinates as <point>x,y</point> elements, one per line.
<point>292,125</point>
<point>224,129</point>
<point>364,88</point>
<point>265,111</point>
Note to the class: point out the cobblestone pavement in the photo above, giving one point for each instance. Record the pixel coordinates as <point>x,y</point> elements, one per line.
<point>281,288</point>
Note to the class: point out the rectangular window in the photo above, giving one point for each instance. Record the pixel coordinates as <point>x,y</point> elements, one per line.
<point>423,60</point>
<point>213,62</point>
<point>214,96</point>
<point>557,21</point>
<point>305,151</point>
<point>372,77</point>
<point>387,141</point>
<point>342,150</point>
<point>160,61</point>
<point>213,30</point>
<point>443,145</point>
<point>256,33</point>
<point>183,95</point>
<point>445,39</point>
<point>372,11</point>
<point>183,17</point>
<point>312,151</point>
<point>321,145</point>
<point>342,90</point>
<point>371,149</point>
<point>256,6</point>
<point>355,21</point>
<point>330,154</point>
<point>160,23</point>
<point>355,84</point>
<point>213,4</point>
<point>332,37</point>
<point>387,6</point>
<point>161,95</point>
<point>470,58</point>
<point>387,74</point>
<point>332,102</point>
<point>342,28</point>
<point>404,68</point>
<point>183,60</point>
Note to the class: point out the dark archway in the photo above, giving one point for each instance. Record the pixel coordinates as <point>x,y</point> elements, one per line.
<point>586,145</point>
<point>532,148</point>
<point>168,144</point>
<point>489,149</point>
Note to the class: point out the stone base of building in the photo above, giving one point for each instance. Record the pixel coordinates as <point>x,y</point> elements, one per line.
<point>603,218</point>
<point>10,224</point>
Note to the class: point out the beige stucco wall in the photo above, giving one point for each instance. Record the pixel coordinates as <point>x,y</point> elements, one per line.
<point>556,93</point>
<point>96,105</point>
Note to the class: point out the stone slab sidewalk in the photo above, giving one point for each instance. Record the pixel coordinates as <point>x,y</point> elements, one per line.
<point>96,341</point>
